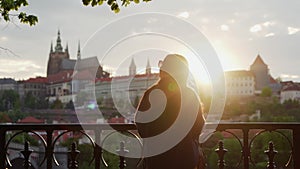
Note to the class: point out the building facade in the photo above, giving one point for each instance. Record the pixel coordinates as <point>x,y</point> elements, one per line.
<point>8,84</point>
<point>251,82</point>
<point>240,83</point>
<point>33,86</point>
<point>290,92</point>
<point>123,92</point>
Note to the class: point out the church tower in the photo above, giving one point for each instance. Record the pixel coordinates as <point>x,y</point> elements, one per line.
<point>148,68</point>
<point>78,52</point>
<point>56,56</point>
<point>132,68</point>
<point>261,73</point>
<point>58,47</point>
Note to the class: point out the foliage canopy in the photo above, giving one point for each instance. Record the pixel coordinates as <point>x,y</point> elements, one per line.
<point>10,8</point>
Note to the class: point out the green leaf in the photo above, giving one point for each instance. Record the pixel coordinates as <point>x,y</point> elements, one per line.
<point>117,10</point>
<point>86,2</point>
<point>110,2</point>
<point>114,6</point>
<point>127,2</point>
<point>136,1</point>
<point>6,17</point>
<point>28,19</point>
<point>19,3</point>
<point>32,20</point>
<point>8,5</point>
<point>100,2</point>
<point>94,3</point>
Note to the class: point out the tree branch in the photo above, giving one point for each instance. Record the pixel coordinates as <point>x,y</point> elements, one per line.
<point>8,51</point>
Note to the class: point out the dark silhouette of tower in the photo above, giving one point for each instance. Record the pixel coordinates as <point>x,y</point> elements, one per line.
<point>132,68</point>
<point>148,68</point>
<point>261,73</point>
<point>56,56</point>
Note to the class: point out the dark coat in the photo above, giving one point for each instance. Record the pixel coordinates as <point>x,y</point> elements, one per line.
<point>185,154</point>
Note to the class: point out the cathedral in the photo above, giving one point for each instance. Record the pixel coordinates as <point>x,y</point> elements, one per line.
<point>66,76</point>
<point>59,61</point>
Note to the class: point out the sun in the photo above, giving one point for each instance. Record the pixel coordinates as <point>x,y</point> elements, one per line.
<point>226,56</point>
<point>197,68</point>
<point>200,74</point>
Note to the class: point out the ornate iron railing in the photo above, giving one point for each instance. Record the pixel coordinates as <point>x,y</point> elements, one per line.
<point>244,133</point>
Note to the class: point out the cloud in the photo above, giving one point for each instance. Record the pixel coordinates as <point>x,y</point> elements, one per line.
<point>268,23</point>
<point>224,27</point>
<point>205,20</point>
<point>20,68</point>
<point>15,66</point>
<point>259,27</point>
<point>270,34</point>
<point>287,76</point>
<point>292,30</point>
<point>3,38</point>
<point>232,21</point>
<point>152,20</point>
<point>183,15</point>
<point>255,28</point>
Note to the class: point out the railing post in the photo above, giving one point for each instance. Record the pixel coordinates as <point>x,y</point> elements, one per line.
<point>98,149</point>
<point>73,164</point>
<point>2,148</point>
<point>49,149</point>
<point>221,152</point>
<point>296,148</point>
<point>271,152</point>
<point>122,152</point>
<point>246,149</point>
<point>26,153</point>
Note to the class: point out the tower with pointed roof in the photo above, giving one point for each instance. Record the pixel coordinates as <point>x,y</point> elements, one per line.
<point>261,73</point>
<point>78,51</point>
<point>60,61</point>
<point>58,47</point>
<point>148,68</point>
<point>67,49</point>
<point>56,56</point>
<point>132,68</point>
<point>51,47</point>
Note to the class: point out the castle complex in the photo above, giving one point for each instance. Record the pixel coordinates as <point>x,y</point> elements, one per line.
<point>251,82</point>
<point>67,76</point>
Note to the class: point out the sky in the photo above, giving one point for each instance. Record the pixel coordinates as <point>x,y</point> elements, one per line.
<point>237,30</point>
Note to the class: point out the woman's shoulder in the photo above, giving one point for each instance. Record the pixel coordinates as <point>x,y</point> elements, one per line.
<point>153,87</point>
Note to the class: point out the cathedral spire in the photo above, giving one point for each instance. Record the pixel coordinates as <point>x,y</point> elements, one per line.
<point>51,47</point>
<point>132,68</point>
<point>58,47</point>
<point>78,51</point>
<point>67,48</point>
<point>148,68</point>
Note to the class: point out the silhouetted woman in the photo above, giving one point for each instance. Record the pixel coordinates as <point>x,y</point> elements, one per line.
<point>181,116</point>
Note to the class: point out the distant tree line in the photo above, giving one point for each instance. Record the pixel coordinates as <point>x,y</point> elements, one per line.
<point>12,106</point>
<point>269,107</point>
